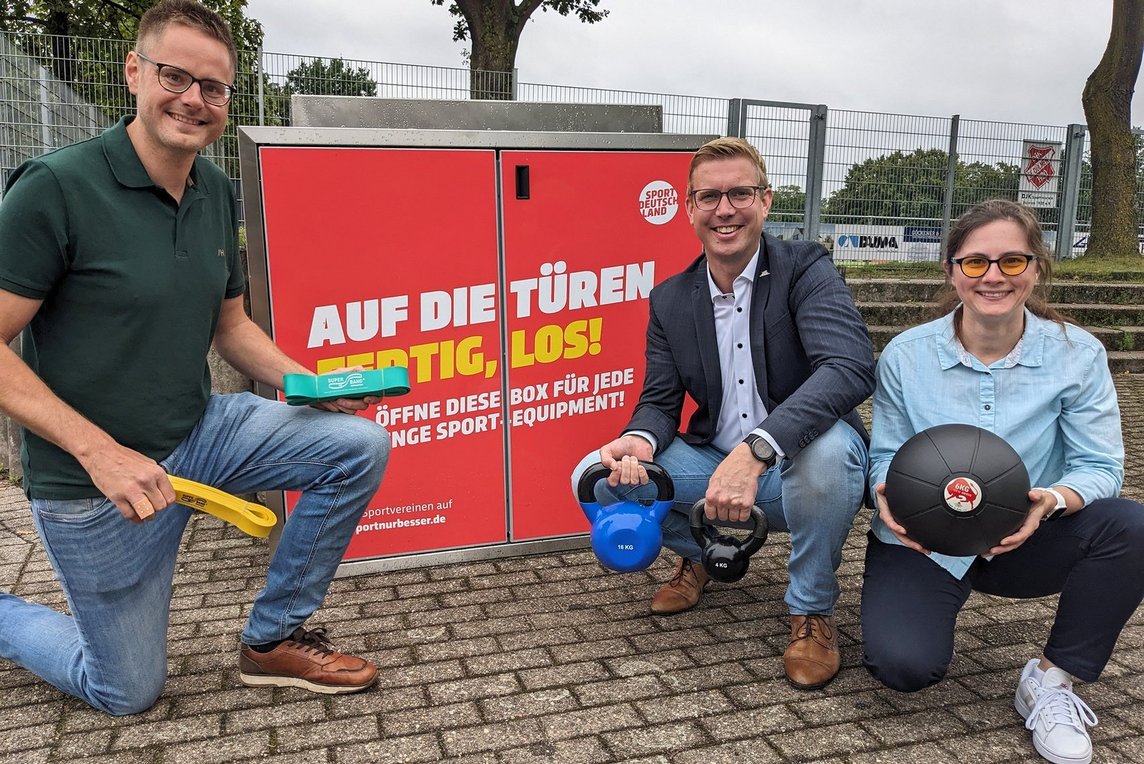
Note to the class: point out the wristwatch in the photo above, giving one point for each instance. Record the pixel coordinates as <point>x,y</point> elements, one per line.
<point>761,449</point>
<point>1059,509</point>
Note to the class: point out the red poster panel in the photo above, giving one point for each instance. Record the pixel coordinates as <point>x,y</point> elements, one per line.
<point>587,234</point>
<point>380,257</point>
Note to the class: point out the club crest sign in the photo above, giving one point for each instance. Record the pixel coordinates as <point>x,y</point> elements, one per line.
<point>1040,169</point>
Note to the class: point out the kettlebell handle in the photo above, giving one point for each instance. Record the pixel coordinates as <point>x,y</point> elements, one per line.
<point>753,542</point>
<point>586,488</point>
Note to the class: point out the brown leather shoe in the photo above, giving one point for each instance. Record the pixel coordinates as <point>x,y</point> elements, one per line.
<point>683,591</point>
<point>812,657</point>
<point>307,660</point>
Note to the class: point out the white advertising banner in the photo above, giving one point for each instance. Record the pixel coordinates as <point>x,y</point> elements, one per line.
<point>882,243</point>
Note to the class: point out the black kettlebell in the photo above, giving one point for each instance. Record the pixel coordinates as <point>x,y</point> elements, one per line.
<point>725,558</point>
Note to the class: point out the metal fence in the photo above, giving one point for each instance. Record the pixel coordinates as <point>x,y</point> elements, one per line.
<point>872,186</point>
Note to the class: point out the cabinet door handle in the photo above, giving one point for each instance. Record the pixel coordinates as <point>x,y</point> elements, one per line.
<point>522,185</point>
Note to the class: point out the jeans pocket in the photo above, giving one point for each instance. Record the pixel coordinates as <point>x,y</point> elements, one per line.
<point>75,511</point>
<point>89,542</point>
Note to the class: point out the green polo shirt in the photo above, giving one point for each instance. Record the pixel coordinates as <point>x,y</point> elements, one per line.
<point>131,284</point>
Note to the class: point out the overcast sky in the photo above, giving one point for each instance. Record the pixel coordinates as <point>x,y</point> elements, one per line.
<point>1004,60</point>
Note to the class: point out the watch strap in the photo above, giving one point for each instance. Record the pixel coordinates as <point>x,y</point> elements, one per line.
<point>1060,507</point>
<point>752,439</point>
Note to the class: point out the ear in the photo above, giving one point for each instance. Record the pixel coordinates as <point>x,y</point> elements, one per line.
<point>690,207</point>
<point>132,71</point>
<point>767,198</point>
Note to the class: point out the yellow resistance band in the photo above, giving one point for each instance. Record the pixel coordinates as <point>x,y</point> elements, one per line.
<point>248,517</point>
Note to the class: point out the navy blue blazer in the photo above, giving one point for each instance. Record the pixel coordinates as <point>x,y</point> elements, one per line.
<point>811,352</point>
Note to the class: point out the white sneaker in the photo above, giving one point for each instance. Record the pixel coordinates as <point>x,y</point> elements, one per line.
<point>1056,716</point>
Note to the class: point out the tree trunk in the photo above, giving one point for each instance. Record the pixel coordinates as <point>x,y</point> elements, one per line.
<point>1107,103</point>
<point>494,30</point>
<point>63,55</point>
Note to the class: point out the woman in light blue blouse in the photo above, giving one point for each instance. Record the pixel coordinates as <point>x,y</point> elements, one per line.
<point>1001,359</point>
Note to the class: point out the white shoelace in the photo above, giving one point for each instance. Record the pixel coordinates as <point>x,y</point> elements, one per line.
<point>1062,706</point>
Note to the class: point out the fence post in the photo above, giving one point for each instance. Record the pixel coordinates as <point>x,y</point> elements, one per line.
<point>1070,190</point>
<point>515,82</point>
<point>736,119</point>
<point>44,98</point>
<point>815,169</point>
<point>950,174</point>
<point>261,96</point>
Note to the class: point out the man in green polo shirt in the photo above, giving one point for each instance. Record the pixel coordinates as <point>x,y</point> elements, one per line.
<point>119,269</point>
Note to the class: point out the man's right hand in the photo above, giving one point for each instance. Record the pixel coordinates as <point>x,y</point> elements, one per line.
<point>136,484</point>
<point>623,456</point>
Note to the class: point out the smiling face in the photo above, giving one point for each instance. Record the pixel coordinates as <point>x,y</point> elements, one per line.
<point>176,124</point>
<point>994,297</point>
<point>730,236</point>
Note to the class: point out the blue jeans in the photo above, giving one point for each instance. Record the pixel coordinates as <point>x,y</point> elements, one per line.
<point>813,497</point>
<point>117,576</point>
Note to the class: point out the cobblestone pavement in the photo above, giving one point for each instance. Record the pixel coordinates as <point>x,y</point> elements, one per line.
<point>551,659</point>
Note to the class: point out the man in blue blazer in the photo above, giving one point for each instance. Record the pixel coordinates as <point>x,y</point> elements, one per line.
<point>763,335</point>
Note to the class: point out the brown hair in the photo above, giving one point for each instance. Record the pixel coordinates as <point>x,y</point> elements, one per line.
<point>984,213</point>
<point>727,148</point>
<point>189,13</point>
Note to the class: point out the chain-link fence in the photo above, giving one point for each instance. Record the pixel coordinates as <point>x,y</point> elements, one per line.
<point>873,186</point>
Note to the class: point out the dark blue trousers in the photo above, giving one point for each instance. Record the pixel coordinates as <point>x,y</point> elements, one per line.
<point>1093,558</point>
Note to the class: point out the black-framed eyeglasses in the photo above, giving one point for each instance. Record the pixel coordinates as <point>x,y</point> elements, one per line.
<point>976,266</point>
<point>740,197</point>
<point>176,80</point>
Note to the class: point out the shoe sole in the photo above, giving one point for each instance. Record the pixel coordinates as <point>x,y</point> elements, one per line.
<point>818,686</point>
<point>267,680</point>
<point>1024,710</point>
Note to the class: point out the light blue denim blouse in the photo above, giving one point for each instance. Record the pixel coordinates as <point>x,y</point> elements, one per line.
<point>1052,399</point>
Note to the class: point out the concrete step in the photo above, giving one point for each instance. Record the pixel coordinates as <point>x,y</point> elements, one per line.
<point>1063,292</point>
<point>1114,338</point>
<point>1126,361</point>
<point>910,313</point>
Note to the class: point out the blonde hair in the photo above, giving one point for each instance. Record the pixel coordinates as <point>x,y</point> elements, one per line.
<point>727,148</point>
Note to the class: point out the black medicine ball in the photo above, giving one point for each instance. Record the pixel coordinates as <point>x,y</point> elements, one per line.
<point>957,489</point>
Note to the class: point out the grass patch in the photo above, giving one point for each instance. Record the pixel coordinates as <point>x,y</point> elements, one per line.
<point>1089,268</point>
<point>1128,269</point>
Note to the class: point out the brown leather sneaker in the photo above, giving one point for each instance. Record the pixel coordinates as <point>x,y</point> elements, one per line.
<point>812,657</point>
<point>307,660</point>
<point>682,592</point>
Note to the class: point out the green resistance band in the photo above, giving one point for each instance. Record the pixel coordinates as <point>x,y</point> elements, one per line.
<point>305,389</point>
<point>250,518</point>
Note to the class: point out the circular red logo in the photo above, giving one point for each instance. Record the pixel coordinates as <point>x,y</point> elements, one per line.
<point>962,494</point>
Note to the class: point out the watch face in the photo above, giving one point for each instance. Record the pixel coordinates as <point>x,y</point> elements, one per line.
<point>762,450</point>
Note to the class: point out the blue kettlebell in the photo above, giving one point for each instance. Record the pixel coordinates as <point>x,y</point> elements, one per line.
<point>725,557</point>
<point>626,536</point>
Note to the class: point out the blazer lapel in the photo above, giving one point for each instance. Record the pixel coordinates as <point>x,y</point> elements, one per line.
<point>759,298</point>
<point>708,345</point>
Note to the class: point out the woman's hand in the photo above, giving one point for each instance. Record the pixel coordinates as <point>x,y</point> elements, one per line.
<point>895,527</point>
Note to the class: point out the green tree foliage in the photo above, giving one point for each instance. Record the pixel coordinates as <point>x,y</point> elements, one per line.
<point>66,22</point>
<point>494,27</point>
<point>332,77</point>
<point>788,204</point>
<point>909,189</point>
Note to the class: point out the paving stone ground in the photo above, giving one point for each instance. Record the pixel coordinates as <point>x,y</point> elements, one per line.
<point>551,659</point>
